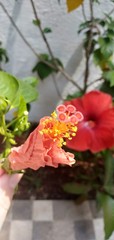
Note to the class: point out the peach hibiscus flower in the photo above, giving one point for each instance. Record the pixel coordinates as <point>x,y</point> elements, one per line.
<point>44,145</point>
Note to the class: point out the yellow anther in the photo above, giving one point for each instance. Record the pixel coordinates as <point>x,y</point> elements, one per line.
<point>70,138</point>
<point>73,134</point>
<point>54,115</point>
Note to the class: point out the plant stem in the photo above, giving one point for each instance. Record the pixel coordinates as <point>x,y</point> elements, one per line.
<point>58,68</point>
<point>41,31</point>
<point>56,87</point>
<point>83,11</point>
<point>96,80</point>
<point>88,49</point>
<point>24,39</point>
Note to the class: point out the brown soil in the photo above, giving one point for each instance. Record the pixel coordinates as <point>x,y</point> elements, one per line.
<point>46,183</point>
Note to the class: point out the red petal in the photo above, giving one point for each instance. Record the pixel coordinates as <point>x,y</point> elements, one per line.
<point>102,139</point>
<point>96,102</point>
<point>82,139</point>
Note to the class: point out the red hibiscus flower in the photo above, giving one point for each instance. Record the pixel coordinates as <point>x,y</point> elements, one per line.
<point>43,146</point>
<point>96,130</point>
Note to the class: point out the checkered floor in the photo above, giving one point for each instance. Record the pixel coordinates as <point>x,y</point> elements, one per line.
<point>53,220</point>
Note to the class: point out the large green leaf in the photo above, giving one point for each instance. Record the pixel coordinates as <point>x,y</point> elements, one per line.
<point>33,81</point>
<point>9,86</point>
<point>27,91</point>
<point>108,211</point>
<point>109,168</point>
<point>76,188</point>
<point>13,89</point>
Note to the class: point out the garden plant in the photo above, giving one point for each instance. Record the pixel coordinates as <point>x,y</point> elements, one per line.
<point>83,124</point>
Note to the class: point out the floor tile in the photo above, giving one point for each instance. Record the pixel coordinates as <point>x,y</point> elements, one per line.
<point>53,220</point>
<point>63,230</point>
<point>4,233</point>
<point>94,210</point>
<point>99,228</point>
<point>43,210</point>
<point>42,231</point>
<point>69,210</point>
<point>22,209</point>
<point>84,230</point>
<point>21,230</point>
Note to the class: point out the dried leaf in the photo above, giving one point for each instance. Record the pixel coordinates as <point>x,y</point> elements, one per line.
<point>73,4</point>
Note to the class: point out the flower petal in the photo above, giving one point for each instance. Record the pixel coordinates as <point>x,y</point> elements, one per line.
<point>96,102</point>
<point>82,139</point>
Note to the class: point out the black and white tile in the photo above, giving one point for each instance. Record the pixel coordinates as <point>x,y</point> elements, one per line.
<point>53,220</point>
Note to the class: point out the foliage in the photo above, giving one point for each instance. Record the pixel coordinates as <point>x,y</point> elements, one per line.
<point>3,55</point>
<point>43,69</point>
<point>98,44</point>
<point>14,99</point>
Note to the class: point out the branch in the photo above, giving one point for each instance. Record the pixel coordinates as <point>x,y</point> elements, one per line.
<point>97,80</point>
<point>109,13</point>
<point>24,39</point>
<point>56,87</point>
<point>36,54</point>
<point>88,49</point>
<point>83,11</point>
<point>41,30</point>
<point>58,68</point>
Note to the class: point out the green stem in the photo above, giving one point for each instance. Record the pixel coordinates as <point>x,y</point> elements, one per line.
<point>12,122</point>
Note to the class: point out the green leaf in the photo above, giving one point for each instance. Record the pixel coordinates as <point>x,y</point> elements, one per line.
<point>76,188</point>
<point>12,89</point>
<point>109,172</point>
<point>42,69</point>
<point>9,86</point>
<point>98,57</point>
<point>109,75</point>
<point>47,30</point>
<point>36,22</point>
<point>107,46</point>
<point>105,87</point>
<point>31,80</point>
<point>84,26</point>
<point>44,56</point>
<point>108,212</point>
<point>20,123</point>
<point>109,167</point>
<point>27,91</point>
<point>3,54</point>
<point>72,96</point>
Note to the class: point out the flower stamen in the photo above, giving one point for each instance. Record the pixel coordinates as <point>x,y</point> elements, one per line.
<point>61,125</point>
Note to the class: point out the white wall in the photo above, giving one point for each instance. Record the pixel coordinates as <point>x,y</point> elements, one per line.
<point>63,40</point>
